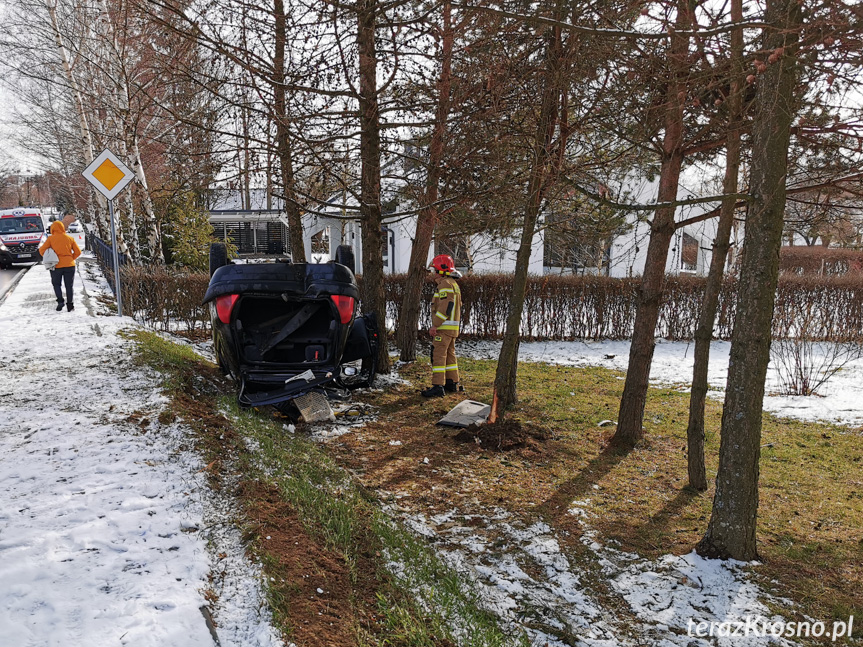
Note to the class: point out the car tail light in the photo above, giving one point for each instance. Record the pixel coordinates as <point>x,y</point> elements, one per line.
<point>224,306</point>
<point>345,306</point>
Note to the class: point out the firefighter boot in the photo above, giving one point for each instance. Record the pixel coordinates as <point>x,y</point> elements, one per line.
<point>435,391</point>
<point>452,387</point>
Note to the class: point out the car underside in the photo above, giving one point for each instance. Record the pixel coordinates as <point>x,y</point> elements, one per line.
<point>285,329</point>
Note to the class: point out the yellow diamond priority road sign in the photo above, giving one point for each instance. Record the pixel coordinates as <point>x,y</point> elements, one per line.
<point>108,174</point>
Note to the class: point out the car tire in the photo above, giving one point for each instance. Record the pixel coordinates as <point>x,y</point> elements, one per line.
<point>345,256</point>
<point>218,256</point>
<point>369,370</point>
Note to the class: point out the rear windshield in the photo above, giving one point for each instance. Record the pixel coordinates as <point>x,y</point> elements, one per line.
<point>22,225</point>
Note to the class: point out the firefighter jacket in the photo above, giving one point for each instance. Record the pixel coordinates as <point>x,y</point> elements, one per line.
<point>446,306</point>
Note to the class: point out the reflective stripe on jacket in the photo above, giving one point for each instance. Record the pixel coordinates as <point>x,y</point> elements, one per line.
<point>446,305</point>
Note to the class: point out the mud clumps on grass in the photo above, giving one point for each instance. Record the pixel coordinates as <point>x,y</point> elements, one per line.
<point>318,602</point>
<point>504,436</point>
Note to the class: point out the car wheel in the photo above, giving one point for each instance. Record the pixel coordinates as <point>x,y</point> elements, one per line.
<point>345,256</point>
<point>218,256</point>
<point>369,371</point>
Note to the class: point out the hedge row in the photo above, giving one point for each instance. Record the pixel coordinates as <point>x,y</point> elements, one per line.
<point>816,259</point>
<point>556,307</point>
<point>166,298</point>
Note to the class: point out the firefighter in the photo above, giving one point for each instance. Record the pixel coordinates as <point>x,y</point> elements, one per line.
<point>446,320</point>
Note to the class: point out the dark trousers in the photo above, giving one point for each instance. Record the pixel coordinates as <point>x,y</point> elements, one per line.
<point>65,275</point>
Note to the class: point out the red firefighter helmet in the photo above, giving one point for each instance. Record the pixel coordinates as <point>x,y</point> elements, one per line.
<point>443,264</point>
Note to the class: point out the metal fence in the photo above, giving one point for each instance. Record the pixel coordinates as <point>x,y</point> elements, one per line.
<point>253,238</point>
<point>105,257</point>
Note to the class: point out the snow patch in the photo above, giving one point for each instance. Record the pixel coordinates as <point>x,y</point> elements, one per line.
<point>108,531</point>
<point>672,367</point>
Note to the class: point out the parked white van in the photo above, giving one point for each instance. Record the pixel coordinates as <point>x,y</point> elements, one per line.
<point>22,230</point>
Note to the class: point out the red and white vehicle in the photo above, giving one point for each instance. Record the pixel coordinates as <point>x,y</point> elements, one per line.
<point>22,230</point>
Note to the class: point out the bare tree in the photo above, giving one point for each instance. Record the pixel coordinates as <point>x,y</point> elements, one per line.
<point>283,142</point>
<point>374,298</point>
<point>86,140</point>
<point>632,402</point>
<point>428,208</point>
<point>731,531</point>
<point>721,245</point>
<point>552,120</point>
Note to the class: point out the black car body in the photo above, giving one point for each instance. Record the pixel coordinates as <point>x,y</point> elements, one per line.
<point>283,329</point>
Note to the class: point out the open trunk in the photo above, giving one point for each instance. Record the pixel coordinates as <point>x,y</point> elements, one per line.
<point>287,332</point>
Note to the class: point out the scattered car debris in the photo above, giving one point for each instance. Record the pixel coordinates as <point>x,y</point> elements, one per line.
<point>465,414</point>
<point>314,407</point>
<point>354,413</point>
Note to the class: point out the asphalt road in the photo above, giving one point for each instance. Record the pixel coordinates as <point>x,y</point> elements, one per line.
<point>7,277</point>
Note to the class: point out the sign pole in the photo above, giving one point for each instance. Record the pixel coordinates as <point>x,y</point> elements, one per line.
<point>109,176</point>
<point>116,255</point>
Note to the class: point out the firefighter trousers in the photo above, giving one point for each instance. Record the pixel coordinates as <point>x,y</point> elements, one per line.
<point>444,362</point>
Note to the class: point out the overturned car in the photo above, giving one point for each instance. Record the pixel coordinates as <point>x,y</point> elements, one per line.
<point>283,330</point>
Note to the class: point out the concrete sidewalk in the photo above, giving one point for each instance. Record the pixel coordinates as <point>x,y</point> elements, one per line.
<point>105,517</point>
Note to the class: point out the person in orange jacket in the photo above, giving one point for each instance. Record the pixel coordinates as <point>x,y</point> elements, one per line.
<point>67,251</point>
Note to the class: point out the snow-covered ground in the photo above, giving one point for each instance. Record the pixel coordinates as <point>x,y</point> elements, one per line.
<point>521,573</point>
<point>838,401</point>
<point>108,531</point>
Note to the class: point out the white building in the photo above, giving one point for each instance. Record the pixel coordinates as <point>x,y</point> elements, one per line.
<point>482,253</point>
<point>262,230</point>
<point>332,225</point>
<point>690,252</point>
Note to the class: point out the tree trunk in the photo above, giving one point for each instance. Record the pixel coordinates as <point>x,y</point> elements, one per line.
<point>246,170</point>
<point>554,84</point>
<point>283,142</point>
<point>124,217</point>
<point>704,329</point>
<point>99,213</point>
<point>427,219</point>
<point>373,294</point>
<point>130,218</point>
<point>154,234</point>
<point>731,531</point>
<point>631,414</point>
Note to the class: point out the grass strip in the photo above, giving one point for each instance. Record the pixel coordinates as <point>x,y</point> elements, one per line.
<point>308,522</point>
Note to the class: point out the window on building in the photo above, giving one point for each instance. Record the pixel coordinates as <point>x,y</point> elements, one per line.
<point>321,241</point>
<point>689,249</point>
<point>576,256</point>
<point>386,248</point>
